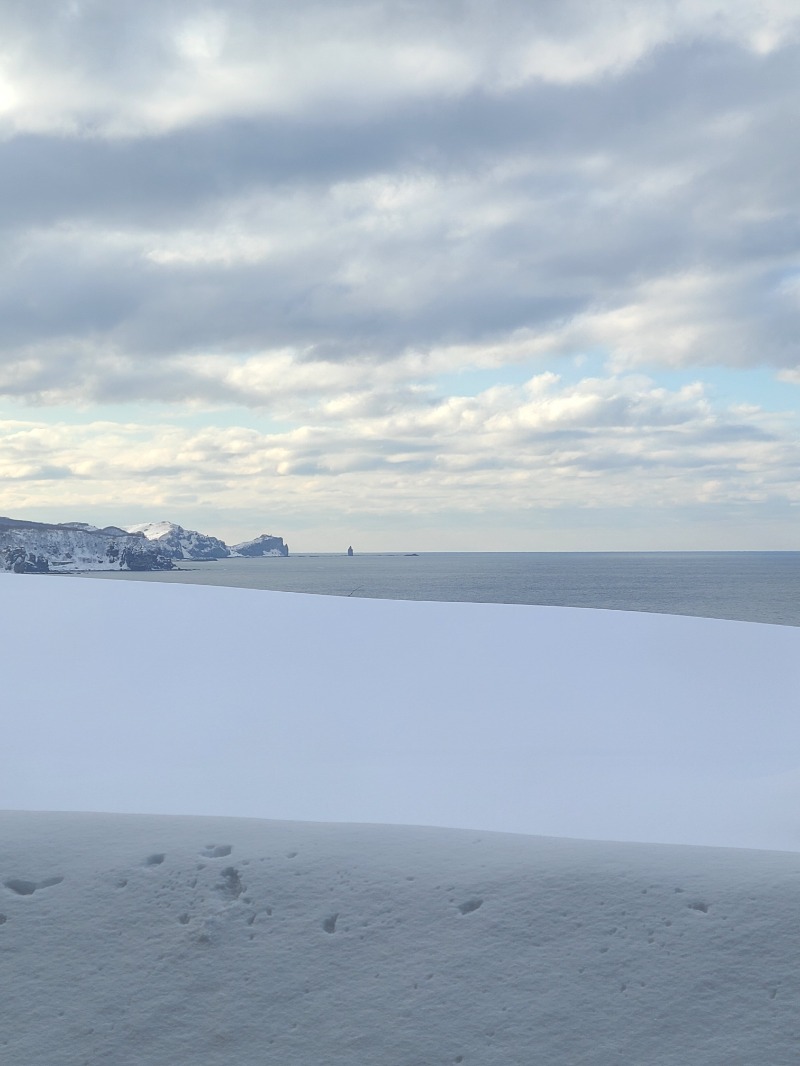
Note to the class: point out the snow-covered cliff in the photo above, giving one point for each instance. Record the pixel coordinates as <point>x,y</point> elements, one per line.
<point>179,543</point>
<point>266,544</point>
<point>40,548</point>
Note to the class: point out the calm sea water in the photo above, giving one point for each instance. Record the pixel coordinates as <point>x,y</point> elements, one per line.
<point>752,586</point>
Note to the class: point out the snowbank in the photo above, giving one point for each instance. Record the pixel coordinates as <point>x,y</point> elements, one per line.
<point>180,699</point>
<point>156,941</point>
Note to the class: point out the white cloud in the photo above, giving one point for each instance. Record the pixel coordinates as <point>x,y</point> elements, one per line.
<point>318,212</point>
<point>543,445</point>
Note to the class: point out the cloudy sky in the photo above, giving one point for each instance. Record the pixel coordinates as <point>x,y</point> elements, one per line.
<point>490,274</point>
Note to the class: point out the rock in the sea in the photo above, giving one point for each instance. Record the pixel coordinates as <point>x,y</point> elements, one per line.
<point>266,544</point>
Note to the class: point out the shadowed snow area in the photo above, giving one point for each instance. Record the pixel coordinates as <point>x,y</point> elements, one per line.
<point>155,941</point>
<point>181,699</point>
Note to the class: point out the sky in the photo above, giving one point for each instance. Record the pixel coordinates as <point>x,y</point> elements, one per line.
<point>412,276</point>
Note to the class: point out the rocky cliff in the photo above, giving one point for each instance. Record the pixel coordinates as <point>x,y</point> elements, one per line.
<point>41,548</point>
<point>176,542</point>
<point>266,544</point>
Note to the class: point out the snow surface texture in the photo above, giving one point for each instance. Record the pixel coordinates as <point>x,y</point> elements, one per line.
<point>149,941</point>
<point>182,699</point>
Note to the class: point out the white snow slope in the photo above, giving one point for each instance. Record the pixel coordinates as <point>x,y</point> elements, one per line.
<point>149,940</point>
<point>184,699</point>
<point>157,941</point>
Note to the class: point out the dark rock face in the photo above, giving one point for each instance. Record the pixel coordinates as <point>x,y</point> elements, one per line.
<point>266,544</point>
<point>19,561</point>
<point>144,558</point>
<point>197,546</point>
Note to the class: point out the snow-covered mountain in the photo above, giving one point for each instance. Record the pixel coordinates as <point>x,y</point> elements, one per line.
<point>179,543</point>
<point>40,548</point>
<point>266,544</point>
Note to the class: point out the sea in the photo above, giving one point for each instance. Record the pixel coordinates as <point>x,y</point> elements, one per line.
<point>748,586</point>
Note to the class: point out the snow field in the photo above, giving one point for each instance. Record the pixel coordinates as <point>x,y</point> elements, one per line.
<point>179,699</point>
<point>141,939</point>
<point>148,940</point>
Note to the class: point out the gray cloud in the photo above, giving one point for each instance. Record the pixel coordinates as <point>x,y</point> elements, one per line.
<point>546,201</point>
<point>316,210</point>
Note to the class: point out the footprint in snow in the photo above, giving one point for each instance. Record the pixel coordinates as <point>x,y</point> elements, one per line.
<point>470,905</point>
<point>217,851</point>
<point>27,888</point>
